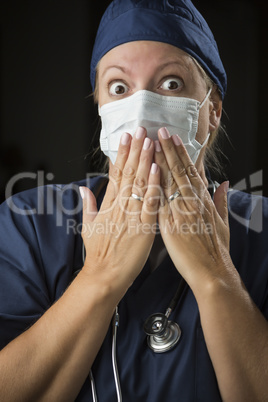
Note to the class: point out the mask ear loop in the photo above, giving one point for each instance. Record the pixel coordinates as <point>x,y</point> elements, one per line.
<point>206,98</point>
<point>199,107</point>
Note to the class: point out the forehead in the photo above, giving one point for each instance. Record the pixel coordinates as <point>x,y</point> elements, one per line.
<point>145,53</point>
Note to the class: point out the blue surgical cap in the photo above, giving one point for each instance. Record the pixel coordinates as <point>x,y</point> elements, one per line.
<point>176,22</point>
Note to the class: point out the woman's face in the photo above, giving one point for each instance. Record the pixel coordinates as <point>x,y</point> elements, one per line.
<point>156,67</point>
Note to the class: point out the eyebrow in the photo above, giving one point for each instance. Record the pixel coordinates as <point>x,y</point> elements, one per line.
<point>123,69</point>
<point>159,68</point>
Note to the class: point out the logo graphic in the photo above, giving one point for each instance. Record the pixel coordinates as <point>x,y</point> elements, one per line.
<point>251,185</point>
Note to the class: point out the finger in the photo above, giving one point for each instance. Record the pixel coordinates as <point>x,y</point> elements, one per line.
<point>174,162</point>
<point>220,201</point>
<point>140,184</point>
<point>196,181</point>
<point>90,210</point>
<point>181,166</point>
<point>115,172</point>
<point>166,179</point>
<point>131,166</point>
<point>152,197</point>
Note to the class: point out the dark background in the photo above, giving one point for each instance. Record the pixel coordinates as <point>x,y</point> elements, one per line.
<point>48,120</point>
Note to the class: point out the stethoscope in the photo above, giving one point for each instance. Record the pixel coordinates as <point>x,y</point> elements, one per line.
<point>162,334</point>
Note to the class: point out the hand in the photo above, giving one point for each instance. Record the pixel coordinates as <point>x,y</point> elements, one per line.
<point>194,227</point>
<point>119,237</point>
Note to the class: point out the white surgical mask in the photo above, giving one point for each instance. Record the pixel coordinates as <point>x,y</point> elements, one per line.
<point>152,111</point>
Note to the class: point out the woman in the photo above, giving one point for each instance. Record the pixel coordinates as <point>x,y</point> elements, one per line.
<point>157,223</point>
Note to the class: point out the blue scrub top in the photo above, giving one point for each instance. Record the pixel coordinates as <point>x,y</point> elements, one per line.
<point>40,251</point>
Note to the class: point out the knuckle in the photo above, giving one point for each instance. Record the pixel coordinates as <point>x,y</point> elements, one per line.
<point>151,202</point>
<point>169,146</point>
<point>167,182</point>
<point>191,170</point>
<point>128,172</point>
<point>124,151</point>
<point>181,151</point>
<point>139,182</point>
<point>178,170</point>
<point>145,158</point>
<point>116,172</point>
<point>160,159</point>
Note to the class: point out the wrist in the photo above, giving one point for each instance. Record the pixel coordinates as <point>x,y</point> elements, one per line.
<point>217,284</point>
<point>104,285</point>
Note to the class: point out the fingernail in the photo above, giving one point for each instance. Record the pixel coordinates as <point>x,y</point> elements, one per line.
<point>140,132</point>
<point>157,146</point>
<point>125,139</point>
<point>147,143</point>
<point>82,192</point>
<point>154,168</point>
<point>176,139</point>
<point>164,133</point>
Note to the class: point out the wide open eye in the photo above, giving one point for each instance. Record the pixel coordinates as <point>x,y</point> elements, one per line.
<point>172,84</point>
<point>118,88</point>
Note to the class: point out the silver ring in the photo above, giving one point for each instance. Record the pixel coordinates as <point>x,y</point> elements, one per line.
<point>174,196</point>
<point>136,197</point>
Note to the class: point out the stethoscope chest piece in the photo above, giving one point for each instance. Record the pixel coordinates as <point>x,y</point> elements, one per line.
<point>163,334</point>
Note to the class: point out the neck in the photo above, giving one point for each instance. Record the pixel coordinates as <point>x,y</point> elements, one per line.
<point>158,252</point>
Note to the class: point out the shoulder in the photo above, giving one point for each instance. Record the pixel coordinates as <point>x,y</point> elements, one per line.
<point>248,210</point>
<point>43,221</point>
<point>34,201</point>
<point>248,218</point>
<point>40,249</point>
<point>45,215</point>
<point>51,203</point>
